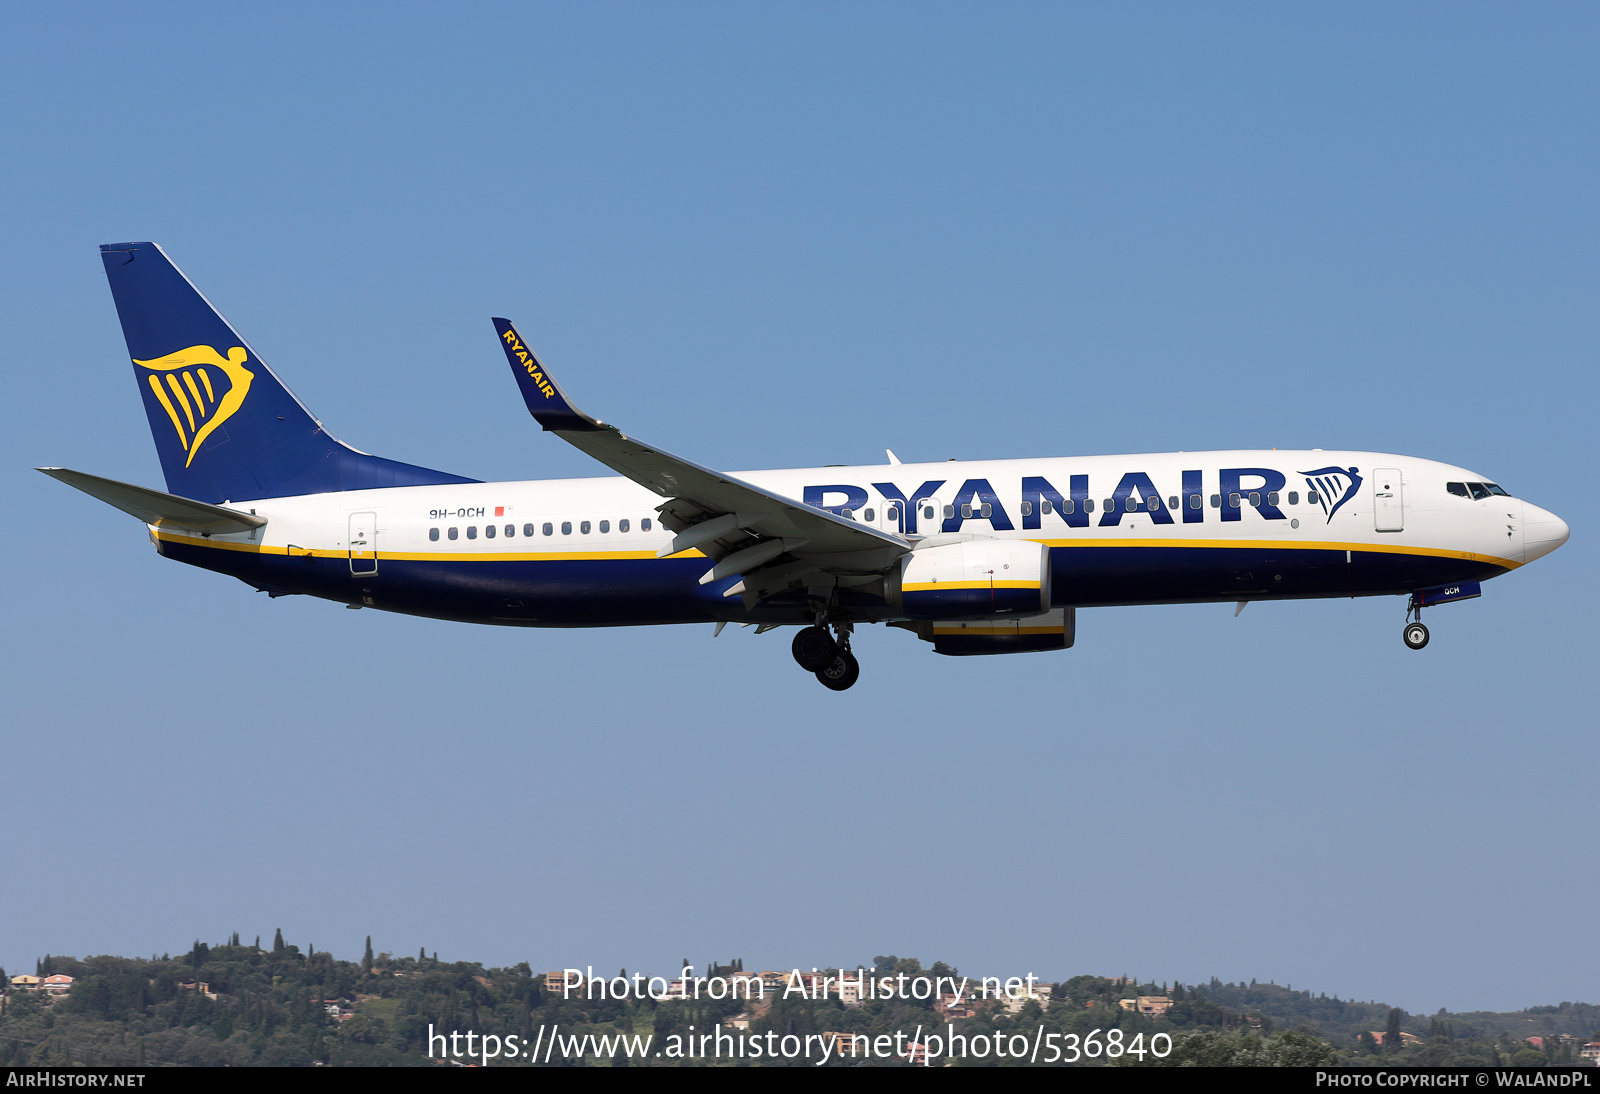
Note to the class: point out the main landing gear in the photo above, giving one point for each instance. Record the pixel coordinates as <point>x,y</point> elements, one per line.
<point>1415,634</point>
<point>819,652</point>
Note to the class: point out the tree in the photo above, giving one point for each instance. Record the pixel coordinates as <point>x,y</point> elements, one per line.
<point>1391,1033</point>
<point>366,958</point>
<point>277,941</point>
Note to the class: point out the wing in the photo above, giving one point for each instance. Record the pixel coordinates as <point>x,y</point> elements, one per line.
<point>773,542</point>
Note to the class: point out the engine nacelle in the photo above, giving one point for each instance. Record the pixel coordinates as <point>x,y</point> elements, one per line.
<point>1054,630</point>
<point>972,579</point>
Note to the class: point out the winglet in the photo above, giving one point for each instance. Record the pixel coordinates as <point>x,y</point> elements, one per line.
<point>546,401</point>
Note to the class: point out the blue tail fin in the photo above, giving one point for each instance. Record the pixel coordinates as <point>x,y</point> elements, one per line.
<point>225,427</point>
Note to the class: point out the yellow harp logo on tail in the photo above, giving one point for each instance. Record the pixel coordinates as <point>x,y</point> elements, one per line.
<point>188,387</point>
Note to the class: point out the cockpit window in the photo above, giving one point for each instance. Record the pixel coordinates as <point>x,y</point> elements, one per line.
<point>1493,489</point>
<point>1479,491</point>
<point>1459,489</point>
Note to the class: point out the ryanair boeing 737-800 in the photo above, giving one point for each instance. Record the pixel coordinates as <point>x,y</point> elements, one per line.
<point>975,557</point>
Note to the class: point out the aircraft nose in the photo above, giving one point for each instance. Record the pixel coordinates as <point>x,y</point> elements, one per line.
<point>1542,532</point>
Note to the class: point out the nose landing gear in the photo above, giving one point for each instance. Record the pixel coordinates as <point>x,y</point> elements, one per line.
<point>1414,634</point>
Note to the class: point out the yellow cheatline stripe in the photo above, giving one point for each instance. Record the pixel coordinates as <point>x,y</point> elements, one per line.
<point>509,556</point>
<point>1003,630</point>
<point>404,556</point>
<point>205,378</point>
<point>565,556</point>
<point>199,403</point>
<point>183,400</point>
<point>1287,545</point>
<point>161,396</point>
<point>959,586</point>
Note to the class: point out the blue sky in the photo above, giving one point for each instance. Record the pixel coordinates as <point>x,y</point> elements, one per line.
<point>772,236</point>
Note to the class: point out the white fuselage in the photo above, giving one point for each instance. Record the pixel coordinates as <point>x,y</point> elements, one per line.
<point>1200,526</point>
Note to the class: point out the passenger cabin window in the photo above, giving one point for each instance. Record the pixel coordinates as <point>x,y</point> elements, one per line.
<point>1152,503</point>
<point>1294,497</point>
<point>1194,501</point>
<point>433,535</point>
<point>622,525</point>
<point>527,530</point>
<point>566,527</point>
<point>1088,505</point>
<point>869,515</point>
<point>1111,505</point>
<point>605,526</point>
<point>1027,508</point>
<point>452,533</point>
<point>966,511</point>
<point>986,511</point>
<point>472,531</point>
<point>1172,502</point>
<point>584,527</point>
<point>949,511</point>
<point>1070,506</point>
<point>1046,506</point>
<point>1311,497</point>
<point>511,530</point>
<point>927,512</point>
<point>488,532</point>
<point>644,525</point>
<point>848,514</point>
<point>1255,498</point>
<point>1233,501</point>
<point>549,529</point>
<point>1272,497</point>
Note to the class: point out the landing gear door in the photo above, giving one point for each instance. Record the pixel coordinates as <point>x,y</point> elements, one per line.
<point>1388,500</point>
<point>363,544</point>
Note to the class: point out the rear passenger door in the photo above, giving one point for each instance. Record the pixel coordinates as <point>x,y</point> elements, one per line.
<point>363,544</point>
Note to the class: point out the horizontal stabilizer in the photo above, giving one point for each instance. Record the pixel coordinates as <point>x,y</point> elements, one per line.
<point>154,507</point>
